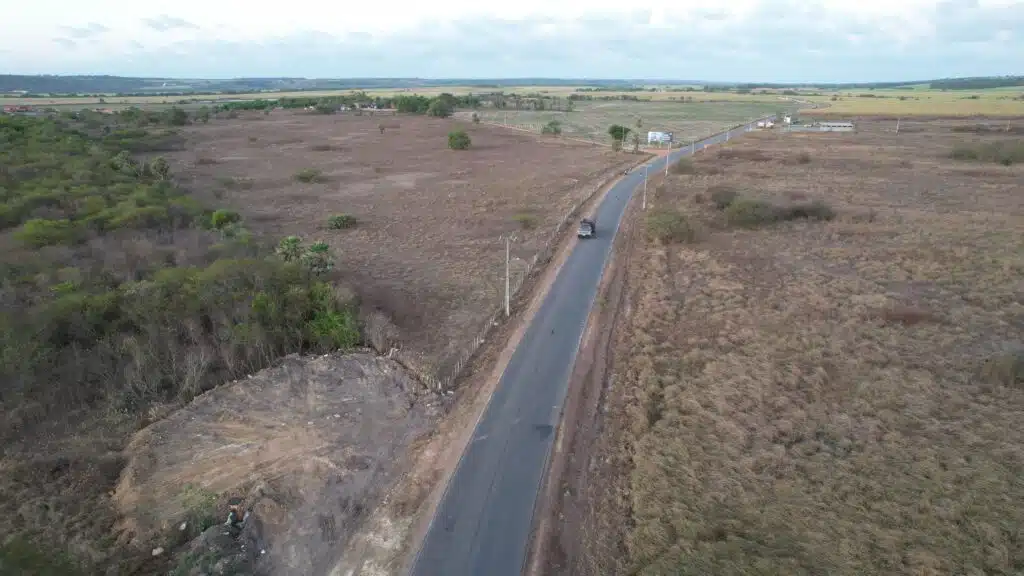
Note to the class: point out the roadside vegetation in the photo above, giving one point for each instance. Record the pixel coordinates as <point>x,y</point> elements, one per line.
<point>119,293</point>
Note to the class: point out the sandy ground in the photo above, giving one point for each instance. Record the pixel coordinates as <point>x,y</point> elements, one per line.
<point>428,248</point>
<point>818,397</point>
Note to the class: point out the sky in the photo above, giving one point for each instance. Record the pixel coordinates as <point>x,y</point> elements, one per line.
<point>725,40</point>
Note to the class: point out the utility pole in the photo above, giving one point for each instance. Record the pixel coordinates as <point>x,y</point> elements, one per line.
<point>508,275</point>
<point>645,187</point>
<point>693,146</point>
<point>897,125</point>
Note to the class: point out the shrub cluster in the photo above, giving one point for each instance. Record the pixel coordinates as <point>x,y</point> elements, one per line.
<point>119,289</point>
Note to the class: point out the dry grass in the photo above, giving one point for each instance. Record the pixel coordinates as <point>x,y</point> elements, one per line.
<point>427,248</point>
<point>831,397</point>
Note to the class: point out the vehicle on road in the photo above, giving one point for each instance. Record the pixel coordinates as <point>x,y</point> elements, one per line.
<point>587,229</point>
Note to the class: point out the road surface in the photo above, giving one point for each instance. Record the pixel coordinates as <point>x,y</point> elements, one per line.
<point>483,522</point>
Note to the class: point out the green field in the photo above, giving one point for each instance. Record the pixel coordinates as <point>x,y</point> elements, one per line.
<point>590,120</point>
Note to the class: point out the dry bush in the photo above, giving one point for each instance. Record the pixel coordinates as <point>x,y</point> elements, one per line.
<point>907,315</point>
<point>1005,152</point>
<point>325,148</point>
<point>747,154</point>
<point>526,220</point>
<point>1006,369</point>
<point>206,161</point>
<point>669,225</point>
<point>722,195</point>
<point>310,175</point>
<point>683,166</point>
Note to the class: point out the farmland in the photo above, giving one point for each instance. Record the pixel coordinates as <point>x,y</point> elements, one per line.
<point>427,247</point>
<point>820,366</point>
<point>590,120</point>
<point>994,102</point>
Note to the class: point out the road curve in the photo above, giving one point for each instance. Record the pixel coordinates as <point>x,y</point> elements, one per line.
<point>482,525</point>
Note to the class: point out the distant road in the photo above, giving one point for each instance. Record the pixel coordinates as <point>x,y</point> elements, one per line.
<point>482,524</point>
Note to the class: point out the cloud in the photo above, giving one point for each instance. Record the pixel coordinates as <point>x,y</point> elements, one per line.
<point>746,40</point>
<point>163,23</point>
<point>88,31</point>
<point>65,43</point>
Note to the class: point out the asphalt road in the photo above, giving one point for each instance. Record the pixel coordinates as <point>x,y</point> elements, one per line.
<point>482,525</point>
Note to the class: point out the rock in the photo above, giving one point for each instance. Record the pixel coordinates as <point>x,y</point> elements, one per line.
<point>158,551</point>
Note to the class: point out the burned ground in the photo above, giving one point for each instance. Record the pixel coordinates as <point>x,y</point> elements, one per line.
<point>832,390</point>
<point>426,248</point>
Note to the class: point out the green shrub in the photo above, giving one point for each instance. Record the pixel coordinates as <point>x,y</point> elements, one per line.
<point>670,225</point>
<point>290,248</point>
<point>749,213</point>
<point>553,128</point>
<point>440,109</point>
<point>459,140</point>
<point>310,175</point>
<point>813,210</point>
<point>722,196</point>
<point>223,217</point>
<point>40,232</point>
<point>318,259</point>
<point>341,221</point>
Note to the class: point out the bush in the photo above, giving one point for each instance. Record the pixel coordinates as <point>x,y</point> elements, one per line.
<point>749,213</point>
<point>341,221</point>
<point>476,118</point>
<point>526,221</point>
<point>803,158</point>
<point>722,196</point>
<point>440,109</point>
<point>310,175</point>
<point>221,218</point>
<point>323,147</point>
<point>39,232</point>
<point>1005,152</point>
<point>813,210</point>
<point>670,225</point>
<point>317,258</point>
<point>683,166</point>
<point>459,140</point>
<point>553,128</point>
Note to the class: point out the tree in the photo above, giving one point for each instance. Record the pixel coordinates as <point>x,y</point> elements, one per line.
<point>459,140</point>
<point>326,107</point>
<point>203,115</point>
<point>636,142</point>
<point>476,118</point>
<point>618,133</point>
<point>440,108</point>
<point>176,116</point>
<point>160,169</point>
<point>553,128</point>
<point>569,105</point>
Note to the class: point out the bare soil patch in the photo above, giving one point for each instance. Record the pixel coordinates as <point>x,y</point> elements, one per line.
<point>427,248</point>
<point>807,396</point>
<point>310,445</point>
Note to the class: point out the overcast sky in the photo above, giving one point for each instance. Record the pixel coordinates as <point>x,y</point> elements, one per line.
<point>725,40</point>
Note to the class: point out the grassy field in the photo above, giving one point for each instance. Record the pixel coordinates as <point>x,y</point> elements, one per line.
<point>910,102</point>
<point>590,120</point>
<point>837,394</point>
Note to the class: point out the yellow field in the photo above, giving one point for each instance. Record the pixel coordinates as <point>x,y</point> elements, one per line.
<point>921,103</point>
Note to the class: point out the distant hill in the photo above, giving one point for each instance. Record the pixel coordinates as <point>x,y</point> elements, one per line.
<point>48,85</point>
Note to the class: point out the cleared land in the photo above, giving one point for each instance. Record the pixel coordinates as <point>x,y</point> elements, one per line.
<point>427,245</point>
<point>590,119</point>
<point>809,396</point>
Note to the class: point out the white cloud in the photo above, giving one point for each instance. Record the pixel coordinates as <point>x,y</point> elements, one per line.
<point>699,39</point>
